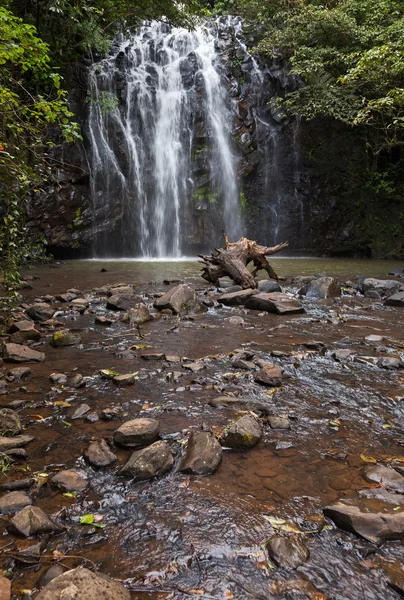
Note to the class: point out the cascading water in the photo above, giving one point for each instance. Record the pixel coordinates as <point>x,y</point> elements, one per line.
<point>159,129</point>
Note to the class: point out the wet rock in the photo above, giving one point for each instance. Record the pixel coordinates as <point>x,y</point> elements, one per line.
<point>80,304</point>
<point>5,588</point>
<point>139,314</point>
<point>295,589</point>
<point>24,331</point>
<point>18,353</point>
<point>394,574</point>
<point>236,298</point>
<point>270,375</point>
<point>398,466</point>
<point>275,303</point>
<point>41,311</point>
<point>342,354</point>
<point>396,299</point>
<point>385,287</point>
<point>323,287</point>
<point>195,367</point>
<point>123,299</point>
<point>268,286</point>
<point>240,404</point>
<point>92,417</point>
<point>203,454</point>
<point>374,339</point>
<point>51,574</point>
<point>65,338</point>
<point>373,294</point>
<point>70,481</point>
<point>279,422</point>
<point>286,553</point>
<point>153,356</point>
<point>243,434</point>
<point>58,378</point>
<point>19,373</point>
<point>387,362</point>
<point>399,272</point>
<point>32,520</point>
<point>124,380</point>
<point>181,299</point>
<point>14,501</point>
<point>244,365</point>
<point>103,321</point>
<point>67,297</point>
<point>99,454</point>
<point>80,411</point>
<point>236,320</point>
<point>10,423</point>
<point>137,432</point>
<point>77,381</point>
<point>153,461</point>
<point>82,584</point>
<point>108,414</point>
<point>370,524</point>
<point>389,478</point>
<point>19,484</point>
<point>8,443</point>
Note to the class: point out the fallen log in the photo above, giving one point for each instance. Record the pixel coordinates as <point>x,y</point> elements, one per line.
<point>232,261</point>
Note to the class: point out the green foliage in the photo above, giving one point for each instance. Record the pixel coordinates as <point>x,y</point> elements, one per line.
<point>107,101</point>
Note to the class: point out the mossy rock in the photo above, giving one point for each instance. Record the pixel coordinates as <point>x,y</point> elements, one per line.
<point>65,338</point>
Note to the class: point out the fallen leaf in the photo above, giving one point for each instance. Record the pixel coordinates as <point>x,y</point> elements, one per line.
<point>61,403</point>
<point>368,459</point>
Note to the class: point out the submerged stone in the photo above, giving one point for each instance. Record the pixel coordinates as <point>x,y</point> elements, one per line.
<point>287,553</point>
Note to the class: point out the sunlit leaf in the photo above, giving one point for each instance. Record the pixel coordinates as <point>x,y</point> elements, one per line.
<point>368,459</point>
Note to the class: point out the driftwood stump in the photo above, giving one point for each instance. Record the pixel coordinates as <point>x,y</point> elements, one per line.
<point>232,260</point>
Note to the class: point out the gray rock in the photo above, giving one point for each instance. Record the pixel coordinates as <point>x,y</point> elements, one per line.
<point>237,298</point>
<point>203,454</point>
<point>153,461</point>
<point>100,320</point>
<point>80,304</point>
<point>323,287</point>
<point>181,299</point>
<point>287,553</point>
<point>279,422</point>
<point>374,339</point>
<point>124,380</point>
<point>268,286</point>
<point>243,434</point>
<point>77,381</point>
<point>19,373</point>
<point>238,404</point>
<point>80,411</point>
<point>58,378</point>
<point>374,526</point>
<point>99,454</point>
<point>32,520</point>
<point>18,353</point>
<point>9,422</point>
<point>41,311</point>
<point>270,375</point>
<point>385,287</point>
<point>275,303</point>
<point>24,330</point>
<point>70,481</point>
<point>123,299</point>
<point>51,573</point>
<point>18,484</point>
<point>396,299</point>
<point>137,432</point>
<point>388,362</point>
<point>82,584</point>
<point>399,272</point>
<point>65,338</point>
<point>139,314</point>
<point>389,478</point>
<point>342,354</point>
<point>230,289</point>
<point>244,365</point>
<point>195,367</point>
<point>8,443</point>
<point>14,501</point>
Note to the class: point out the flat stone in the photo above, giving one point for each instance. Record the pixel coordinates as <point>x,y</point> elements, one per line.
<point>342,354</point>
<point>82,584</point>
<point>244,365</point>
<point>270,375</point>
<point>65,297</point>
<point>10,423</point>
<point>275,303</point>
<point>5,588</point>
<point>137,432</point>
<point>41,311</point>
<point>18,353</point>
<point>376,339</point>
<point>268,286</point>
<point>371,524</point>
<point>18,441</point>
<point>14,501</point>
<point>77,381</point>
<point>153,461</point>
<point>70,481</point>
<point>32,520</point>
<point>25,330</point>
<point>80,411</point>
<point>99,454</point>
<point>80,304</point>
<point>153,356</point>
<point>181,299</point>
<point>99,320</point>
<point>19,373</point>
<point>396,299</point>
<point>389,478</point>
<point>124,380</point>
<point>243,434</point>
<point>287,553</point>
<point>18,484</point>
<point>236,298</point>
<point>239,403</point>
<point>387,362</point>
<point>195,367</point>
<point>65,338</point>
<point>279,422</point>
<point>203,454</point>
<point>58,378</point>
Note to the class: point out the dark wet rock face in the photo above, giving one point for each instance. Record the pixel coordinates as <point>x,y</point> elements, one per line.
<point>287,553</point>
<point>396,299</point>
<point>32,520</point>
<point>236,298</point>
<point>203,454</point>
<point>70,481</point>
<point>14,501</point>
<point>240,404</point>
<point>270,375</point>
<point>82,583</point>
<point>123,299</point>
<point>153,461</point>
<point>377,527</point>
<point>41,311</point>
<point>138,432</point>
<point>388,478</point>
<point>181,299</point>
<point>243,434</point>
<point>18,441</point>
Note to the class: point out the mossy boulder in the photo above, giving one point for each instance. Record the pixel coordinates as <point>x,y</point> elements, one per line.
<point>65,338</point>
<point>243,434</point>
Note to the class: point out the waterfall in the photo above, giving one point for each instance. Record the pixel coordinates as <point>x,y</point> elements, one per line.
<point>159,144</point>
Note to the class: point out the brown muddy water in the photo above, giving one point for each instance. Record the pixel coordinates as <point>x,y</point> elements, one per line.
<point>186,536</point>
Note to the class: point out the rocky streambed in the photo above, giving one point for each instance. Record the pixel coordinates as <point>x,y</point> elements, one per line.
<point>188,440</point>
